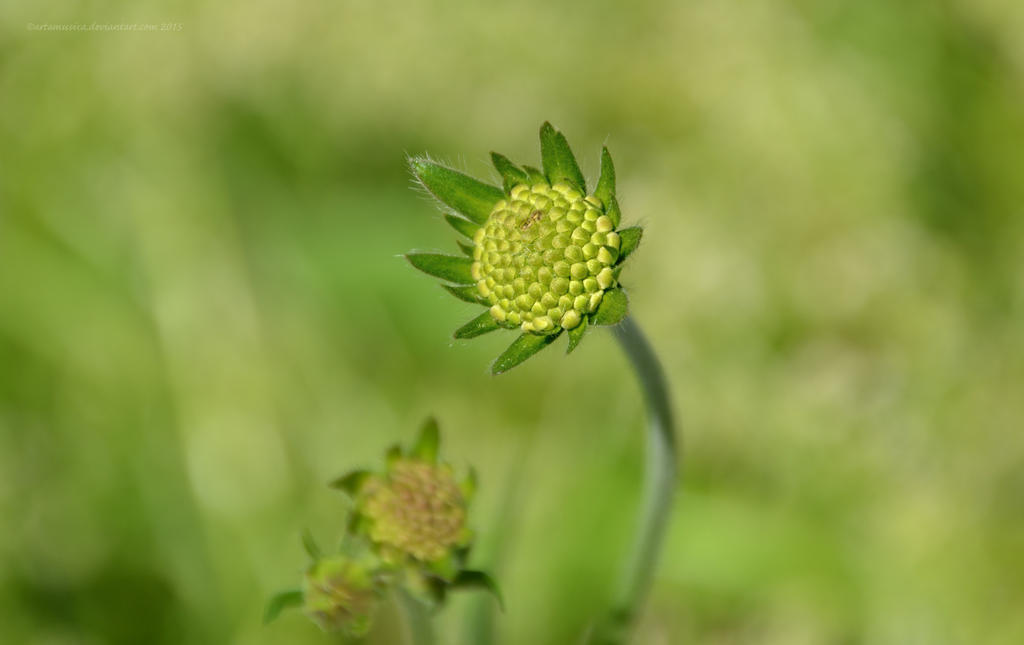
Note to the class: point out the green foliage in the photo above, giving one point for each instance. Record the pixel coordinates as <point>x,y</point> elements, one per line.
<point>467,196</point>
<point>480,325</point>
<point>613,308</point>
<point>576,335</point>
<point>280,602</point>
<point>510,174</point>
<point>350,482</point>
<point>630,240</point>
<point>521,349</point>
<point>466,294</point>
<point>558,160</point>
<point>605,190</point>
<point>450,268</point>
<point>429,441</point>
<point>462,225</point>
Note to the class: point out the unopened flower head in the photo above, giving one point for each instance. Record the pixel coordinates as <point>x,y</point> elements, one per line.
<point>340,595</point>
<point>543,256</point>
<point>417,508</point>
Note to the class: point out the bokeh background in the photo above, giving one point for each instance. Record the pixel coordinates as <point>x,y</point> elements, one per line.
<point>204,316</point>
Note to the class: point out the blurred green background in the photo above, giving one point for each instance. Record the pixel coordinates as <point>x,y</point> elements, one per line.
<point>204,316</point>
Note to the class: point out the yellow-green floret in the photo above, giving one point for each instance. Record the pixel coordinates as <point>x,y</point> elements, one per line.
<point>544,258</point>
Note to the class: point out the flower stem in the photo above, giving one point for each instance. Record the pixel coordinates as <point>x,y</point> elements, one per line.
<point>660,480</point>
<point>419,630</point>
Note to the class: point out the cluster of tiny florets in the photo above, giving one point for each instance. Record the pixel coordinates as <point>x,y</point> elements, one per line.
<point>418,510</point>
<point>544,258</point>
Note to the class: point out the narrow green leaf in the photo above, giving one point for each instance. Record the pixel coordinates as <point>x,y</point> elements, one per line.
<point>613,308</point>
<point>279,602</point>
<point>467,294</point>
<point>465,195</point>
<point>467,249</point>
<point>576,334</point>
<point>310,545</point>
<point>469,579</point>
<point>605,190</point>
<point>629,239</point>
<point>479,326</point>
<point>429,441</point>
<point>511,174</point>
<point>534,175</point>
<point>521,349</point>
<point>557,159</point>
<point>611,209</point>
<point>462,225</point>
<point>350,482</point>
<point>450,268</point>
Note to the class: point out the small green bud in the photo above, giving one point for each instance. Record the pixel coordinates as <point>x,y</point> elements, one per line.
<point>341,595</point>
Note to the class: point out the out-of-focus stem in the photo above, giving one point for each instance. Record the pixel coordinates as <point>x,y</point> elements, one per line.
<point>660,480</point>
<point>418,627</point>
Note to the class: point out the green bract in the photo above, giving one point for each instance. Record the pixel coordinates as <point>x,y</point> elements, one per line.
<point>407,529</point>
<point>544,256</point>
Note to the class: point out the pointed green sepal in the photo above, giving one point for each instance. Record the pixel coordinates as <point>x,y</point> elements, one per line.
<point>511,175</point>
<point>428,442</point>
<point>468,485</point>
<point>534,175</point>
<point>350,483</point>
<point>462,225</point>
<point>311,547</point>
<point>521,349</point>
<point>611,209</point>
<point>630,239</point>
<point>467,249</point>
<point>468,196</point>
<point>279,602</point>
<point>446,568</point>
<point>450,268</point>
<point>557,159</point>
<point>466,294</point>
<point>605,190</point>
<point>576,334</point>
<point>479,326</point>
<point>613,308</point>
<point>469,579</point>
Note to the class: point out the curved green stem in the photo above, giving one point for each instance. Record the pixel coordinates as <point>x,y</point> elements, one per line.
<point>660,480</point>
<point>419,629</point>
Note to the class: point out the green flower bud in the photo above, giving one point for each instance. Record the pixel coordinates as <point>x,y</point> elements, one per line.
<point>340,594</point>
<point>544,253</point>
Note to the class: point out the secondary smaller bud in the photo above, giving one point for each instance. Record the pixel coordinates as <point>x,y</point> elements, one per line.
<point>340,595</point>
